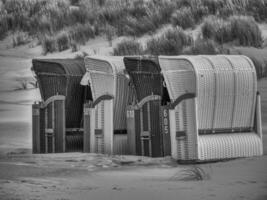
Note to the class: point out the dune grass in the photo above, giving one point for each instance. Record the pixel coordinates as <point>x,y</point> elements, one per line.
<point>20,38</point>
<point>81,20</point>
<point>203,46</point>
<point>183,17</point>
<point>241,30</point>
<point>128,47</point>
<point>172,42</point>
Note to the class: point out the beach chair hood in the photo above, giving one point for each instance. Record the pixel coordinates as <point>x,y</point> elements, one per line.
<point>225,86</point>
<point>62,77</point>
<point>107,79</point>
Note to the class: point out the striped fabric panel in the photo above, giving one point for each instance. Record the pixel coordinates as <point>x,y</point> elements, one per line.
<point>120,103</point>
<point>120,144</point>
<point>74,104</point>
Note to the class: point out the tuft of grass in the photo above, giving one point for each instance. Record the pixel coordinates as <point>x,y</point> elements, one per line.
<point>22,85</point>
<point>217,29</point>
<point>183,17</point>
<point>128,47</point>
<point>194,173</point>
<point>3,25</point>
<point>33,83</point>
<point>25,83</point>
<point>258,9</point>
<point>62,41</point>
<point>202,46</point>
<point>110,33</point>
<point>81,55</point>
<point>74,46</point>
<point>48,44</point>
<point>81,33</point>
<point>138,27</point>
<point>74,2</point>
<point>80,15</point>
<point>246,31</point>
<point>69,38</point>
<point>240,30</point>
<point>20,38</point>
<point>172,42</point>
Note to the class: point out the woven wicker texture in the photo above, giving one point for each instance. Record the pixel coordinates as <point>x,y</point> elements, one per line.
<point>245,89</point>
<point>147,80</point>
<point>62,76</point>
<point>106,76</point>
<point>229,146</point>
<point>145,75</point>
<point>225,87</point>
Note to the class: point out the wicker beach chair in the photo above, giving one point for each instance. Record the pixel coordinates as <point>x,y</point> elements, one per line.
<point>110,93</point>
<point>214,104</point>
<point>144,113</point>
<point>61,77</point>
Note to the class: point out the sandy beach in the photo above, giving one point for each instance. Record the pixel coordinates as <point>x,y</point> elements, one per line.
<point>91,176</point>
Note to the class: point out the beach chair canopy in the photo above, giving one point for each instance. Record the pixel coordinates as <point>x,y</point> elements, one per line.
<point>106,76</point>
<point>145,76</point>
<point>225,88</point>
<point>62,77</point>
<point>147,81</point>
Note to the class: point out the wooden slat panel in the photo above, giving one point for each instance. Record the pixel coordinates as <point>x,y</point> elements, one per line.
<point>108,126</point>
<point>36,128</point>
<point>86,125</point>
<point>131,130</point>
<point>59,126</point>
